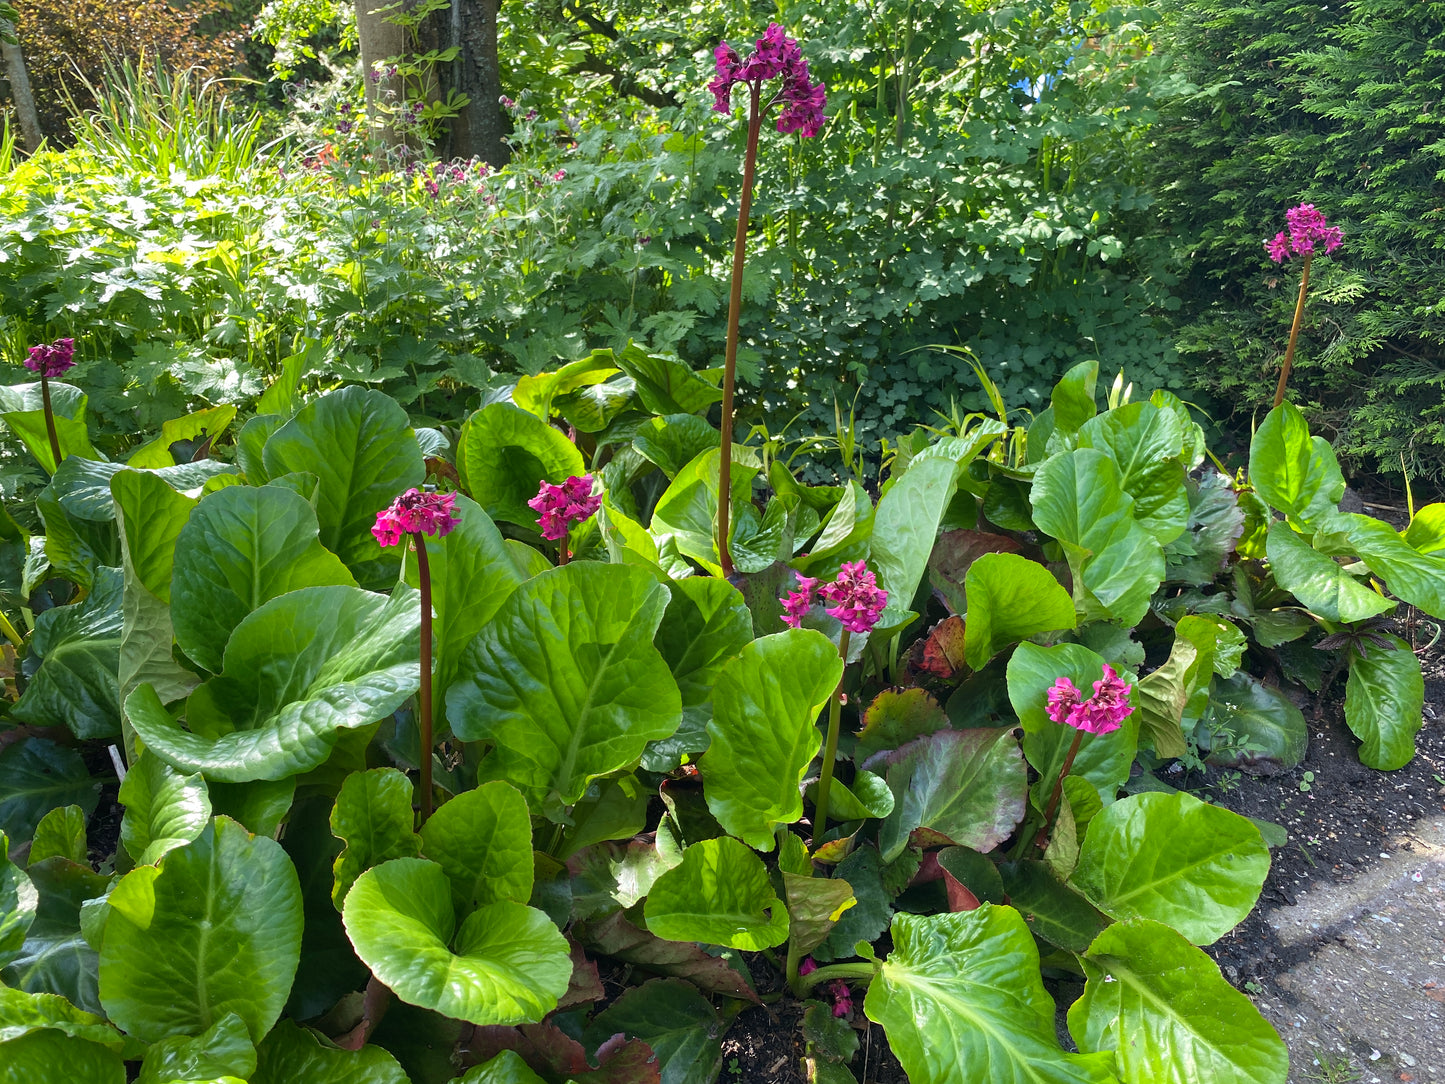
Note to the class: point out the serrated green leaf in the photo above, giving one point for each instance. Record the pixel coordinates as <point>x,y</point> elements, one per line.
<point>163,808</point>
<point>482,839</point>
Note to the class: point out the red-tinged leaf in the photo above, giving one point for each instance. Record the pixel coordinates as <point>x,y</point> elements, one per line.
<point>558,1058</point>
<point>586,984</point>
<point>954,552</point>
<point>614,936</point>
<point>942,650</point>
<point>898,716</point>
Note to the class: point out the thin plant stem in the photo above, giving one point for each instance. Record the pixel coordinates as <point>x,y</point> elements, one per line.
<point>851,972</point>
<point>795,960</point>
<point>830,748</point>
<point>1299,312</point>
<point>735,304</point>
<point>424,718</point>
<point>50,421</point>
<point>1059,788</point>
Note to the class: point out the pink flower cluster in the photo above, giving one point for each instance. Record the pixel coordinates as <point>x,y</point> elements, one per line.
<point>841,991</point>
<point>52,360</point>
<point>775,54</point>
<point>857,599</point>
<point>1102,713</point>
<point>416,512</point>
<point>558,507</point>
<point>1306,230</point>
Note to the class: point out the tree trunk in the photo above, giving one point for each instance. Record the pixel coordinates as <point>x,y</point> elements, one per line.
<point>19,79</point>
<point>379,40</point>
<point>479,130</point>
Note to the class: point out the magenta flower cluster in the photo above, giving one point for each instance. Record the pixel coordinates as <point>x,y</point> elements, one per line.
<point>1307,229</point>
<point>857,599</point>
<point>416,512</point>
<point>52,360</point>
<point>775,54</point>
<point>1102,713</point>
<point>841,991</point>
<point>558,507</point>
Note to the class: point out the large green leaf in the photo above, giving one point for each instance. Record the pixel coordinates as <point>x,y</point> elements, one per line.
<point>61,834</point>
<point>214,929</point>
<point>1073,399</point>
<point>291,1054</point>
<point>707,623</point>
<point>163,808</point>
<point>506,1068</point>
<point>18,900</point>
<point>360,446</point>
<point>846,536</point>
<point>1168,1014</point>
<point>536,393</point>
<point>22,408</point>
<point>1054,911</point>
<point>50,1057</point>
<point>242,547</point>
<point>36,776</point>
<point>482,839</point>
<point>1416,577</point>
<point>687,509</point>
<point>510,963</point>
<point>297,673</point>
<point>905,526</point>
<point>1426,532</point>
<point>202,428</point>
<point>964,787</point>
<point>1216,522</point>
<point>1383,701</point>
<point>719,895</point>
<point>56,958</point>
<point>666,385</point>
<point>676,1021</point>
<point>673,441</point>
<point>1264,720</point>
<point>222,1050</point>
<point>565,680</point>
<point>1103,759</point>
<point>505,455</point>
<point>1295,473</point>
<point>1010,598</point>
<point>1177,692</point>
<point>765,707</point>
<point>22,1013</point>
<point>1318,581</point>
<point>815,904</point>
<point>83,486</point>
<point>79,648</point>
<point>373,818</point>
<point>1146,443</point>
<point>989,1019</point>
<point>1078,498</point>
<point>1173,859</point>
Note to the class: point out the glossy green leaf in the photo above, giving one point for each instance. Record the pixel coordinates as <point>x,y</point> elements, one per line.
<point>687,509</point>
<point>1073,399</point>
<point>360,446</point>
<point>1216,522</point>
<point>1010,598</point>
<point>83,486</point>
<point>846,536</point>
<point>50,1057</point>
<point>565,680</point>
<point>976,872</point>
<point>1145,443</point>
<point>1173,859</point>
<point>1318,581</point>
<point>1169,1016</point>
<point>251,446</point>
<point>1054,911</point>
<point>79,648</point>
<point>666,385</point>
<point>611,809</point>
<point>482,839</point>
<point>989,1020</point>
<point>1103,759</point>
<point>765,706</point>
<point>23,1013</point>
<point>56,958</point>
<point>905,526</point>
<point>163,808</point>
<point>471,576</point>
<point>505,455</point>
<point>964,787</point>
<point>866,796</point>
<point>1261,717</point>
<point>673,441</point>
<point>1295,473</point>
<point>36,776</point>
<point>536,393</point>
<point>895,718</point>
<point>222,1050</point>
<point>1426,531</point>
<point>22,408</point>
<point>718,895</point>
<point>292,1054</point>
<point>18,900</point>
<point>297,673</point>
<point>214,929</point>
<point>1416,577</point>
<point>510,964</point>
<point>1077,498</point>
<point>815,904</point>
<point>506,1068</point>
<point>241,548</point>
<point>707,623</point>
<point>1383,701</point>
<point>373,818</point>
<point>200,428</point>
<point>61,834</point>
<point>676,1021</point>
<point>1175,694</point>
<point>614,936</point>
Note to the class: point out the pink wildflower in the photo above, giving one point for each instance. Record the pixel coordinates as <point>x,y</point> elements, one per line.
<point>774,54</point>
<point>727,64</point>
<point>1064,700</point>
<point>799,602</point>
<point>1306,229</point>
<point>559,507</point>
<point>1278,247</point>
<point>1102,713</point>
<point>416,512</point>
<point>857,599</point>
<point>53,360</point>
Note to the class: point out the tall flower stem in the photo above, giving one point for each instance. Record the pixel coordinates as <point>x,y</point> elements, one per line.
<point>1299,312</point>
<point>424,719</point>
<point>735,304</point>
<point>1059,788</point>
<point>50,420</point>
<point>830,748</point>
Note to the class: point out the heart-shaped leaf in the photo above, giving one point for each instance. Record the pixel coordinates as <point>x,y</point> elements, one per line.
<point>163,808</point>
<point>718,895</point>
<point>1011,598</point>
<point>510,964</point>
<point>1295,473</point>
<point>1145,443</point>
<point>506,1068</point>
<point>61,834</point>
<point>214,929</point>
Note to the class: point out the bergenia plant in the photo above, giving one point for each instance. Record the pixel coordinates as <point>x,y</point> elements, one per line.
<point>1102,713</point>
<point>1306,233</point>
<point>418,513</point>
<point>775,56</point>
<point>857,603</point>
<point>560,508</point>
<point>54,359</point>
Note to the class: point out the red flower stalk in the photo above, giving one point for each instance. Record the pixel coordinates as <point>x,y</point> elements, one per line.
<point>1306,230</point>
